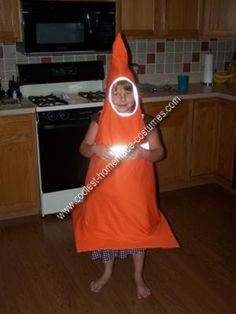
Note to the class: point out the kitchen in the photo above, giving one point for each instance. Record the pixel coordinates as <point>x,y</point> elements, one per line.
<point>160,59</point>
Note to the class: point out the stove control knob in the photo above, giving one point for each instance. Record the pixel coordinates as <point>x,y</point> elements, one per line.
<point>52,116</point>
<point>63,115</point>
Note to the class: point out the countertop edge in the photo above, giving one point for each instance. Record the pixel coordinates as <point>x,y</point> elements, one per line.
<point>189,96</point>
<point>17,111</point>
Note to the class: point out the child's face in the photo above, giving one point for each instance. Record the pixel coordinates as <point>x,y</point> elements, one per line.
<point>122,99</point>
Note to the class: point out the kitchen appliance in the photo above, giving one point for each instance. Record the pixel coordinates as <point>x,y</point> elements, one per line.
<point>62,119</point>
<point>68,26</point>
<point>47,100</point>
<point>93,96</point>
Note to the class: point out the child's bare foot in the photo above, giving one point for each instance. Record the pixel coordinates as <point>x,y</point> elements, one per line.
<point>96,286</point>
<point>142,290</point>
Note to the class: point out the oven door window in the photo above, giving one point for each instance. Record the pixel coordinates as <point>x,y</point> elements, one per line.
<point>62,166</point>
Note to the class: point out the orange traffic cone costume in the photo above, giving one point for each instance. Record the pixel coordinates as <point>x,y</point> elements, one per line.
<point>121,211</point>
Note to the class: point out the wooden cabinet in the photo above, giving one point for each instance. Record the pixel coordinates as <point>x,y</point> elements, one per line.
<point>204,137</point>
<point>140,18</point>
<point>220,18</point>
<point>176,134</point>
<point>159,18</point>
<point>200,138</point>
<point>183,18</point>
<point>226,139</point>
<point>176,18</point>
<point>19,189</point>
<point>10,30</point>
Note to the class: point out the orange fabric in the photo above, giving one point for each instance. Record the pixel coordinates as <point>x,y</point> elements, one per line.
<point>121,211</point>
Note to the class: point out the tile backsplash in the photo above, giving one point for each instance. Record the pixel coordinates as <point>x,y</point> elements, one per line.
<point>152,57</point>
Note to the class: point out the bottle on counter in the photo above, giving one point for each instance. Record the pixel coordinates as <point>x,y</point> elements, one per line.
<point>10,87</point>
<point>14,88</point>
<point>14,94</point>
<point>2,92</point>
<point>17,88</point>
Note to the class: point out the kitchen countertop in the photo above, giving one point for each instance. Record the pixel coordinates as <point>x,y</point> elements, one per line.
<point>23,106</point>
<point>195,91</point>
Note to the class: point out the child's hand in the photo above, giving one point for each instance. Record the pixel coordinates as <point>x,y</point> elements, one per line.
<point>138,153</point>
<point>102,151</point>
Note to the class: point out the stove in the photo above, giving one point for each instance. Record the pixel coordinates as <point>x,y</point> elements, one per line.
<point>64,100</point>
<point>65,96</point>
<point>63,86</point>
<point>93,96</point>
<point>48,100</point>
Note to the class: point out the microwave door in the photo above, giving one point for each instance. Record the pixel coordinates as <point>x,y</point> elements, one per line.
<point>60,35</point>
<point>105,26</point>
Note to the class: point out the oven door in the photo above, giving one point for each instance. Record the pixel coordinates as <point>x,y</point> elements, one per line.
<point>61,164</point>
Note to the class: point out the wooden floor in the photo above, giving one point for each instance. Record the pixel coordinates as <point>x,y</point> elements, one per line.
<point>41,273</point>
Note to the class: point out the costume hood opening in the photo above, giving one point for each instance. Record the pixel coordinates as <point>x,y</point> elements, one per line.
<point>120,71</point>
<point>121,117</point>
<point>135,96</point>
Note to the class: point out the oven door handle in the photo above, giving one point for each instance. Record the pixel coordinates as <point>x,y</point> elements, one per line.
<point>61,126</point>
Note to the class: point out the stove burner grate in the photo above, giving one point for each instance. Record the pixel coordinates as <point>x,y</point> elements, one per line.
<point>97,96</point>
<point>48,100</point>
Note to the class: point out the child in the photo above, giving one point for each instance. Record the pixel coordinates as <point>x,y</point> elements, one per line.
<point>120,216</point>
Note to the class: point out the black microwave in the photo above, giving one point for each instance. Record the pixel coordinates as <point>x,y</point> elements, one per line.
<point>68,26</point>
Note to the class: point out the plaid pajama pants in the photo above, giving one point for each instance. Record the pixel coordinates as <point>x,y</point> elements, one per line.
<point>107,255</point>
